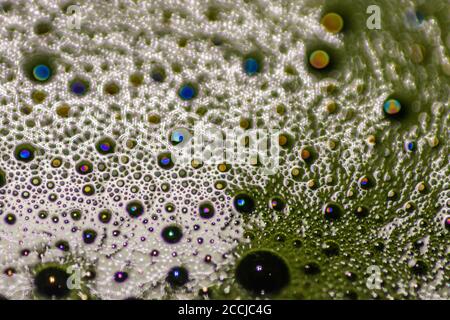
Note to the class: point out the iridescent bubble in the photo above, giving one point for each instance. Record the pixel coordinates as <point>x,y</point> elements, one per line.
<point>135,208</point>
<point>332,22</point>
<point>277,204</point>
<point>392,107</point>
<point>332,211</point>
<point>319,59</point>
<point>105,145</point>
<point>165,160</point>
<point>84,167</point>
<point>243,203</point>
<point>42,72</point>
<point>365,182</point>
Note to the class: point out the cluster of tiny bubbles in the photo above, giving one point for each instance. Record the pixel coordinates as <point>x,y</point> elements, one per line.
<point>89,181</point>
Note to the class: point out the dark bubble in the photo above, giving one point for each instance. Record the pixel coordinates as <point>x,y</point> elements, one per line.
<point>75,215</point>
<point>332,211</point>
<point>89,236</point>
<point>63,245</point>
<point>105,146</point>
<point>177,276</point>
<point>43,214</point>
<point>419,268</point>
<point>361,211</point>
<point>104,216</point>
<point>206,210</point>
<point>51,282</point>
<point>311,268</point>
<point>172,234</point>
<point>84,167</point>
<point>243,203</point>
<point>10,219</point>
<point>120,276</point>
<point>330,248</point>
<point>277,204</point>
<point>135,208</point>
<point>165,160</point>
<point>263,272</point>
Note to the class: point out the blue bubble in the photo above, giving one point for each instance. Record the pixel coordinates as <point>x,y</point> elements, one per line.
<point>410,146</point>
<point>25,154</point>
<point>41,72</point>
<point>251,66</point>
<point>177,137</point>
<point>187,92</point>
<point>79,88</point>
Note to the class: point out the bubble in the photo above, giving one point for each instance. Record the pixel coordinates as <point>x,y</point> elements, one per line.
<point>10,219</point>
<point>62,245</point>
<point>89,236</point>
<point>105,146</point>
<point>361,211</point>
<point>319,59</point>
<point>177,277</point>
<point>277,204</point>
<point>84,167</point>
<point>79,87</point>
<point>158,74</point>
<point>135,209</point>
<point>104,216</point>
<point>120,276</point>
<point>311,268</point>
<point>43,214</point>
<point>262,272</point>
<point>172,234</point>
<point>410,146</point>
<point>51,282</point>
<point>392,107</point>
<point>332,22</point>
<point>75,215</point>
<point>365,182</point>
<point>165,160</point>
<point>24,152</point>
<point>447,223</point>
<point>332,211</point>
<point>330,248</point>
<point>251,66</point>
<point>243,203</point>
<point>187,92</point>
<point>42,72</point>
<point>88,190</point>
<point>179,136</point>
<point>206,210</point>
